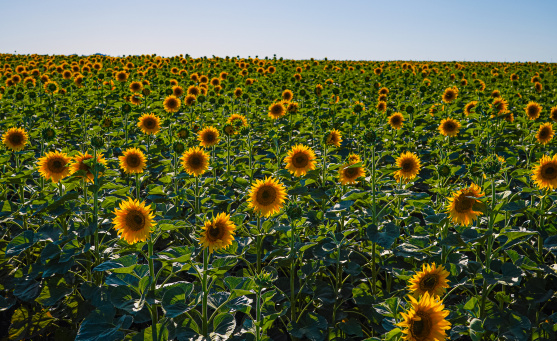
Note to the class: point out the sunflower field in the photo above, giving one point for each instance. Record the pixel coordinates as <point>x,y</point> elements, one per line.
<point>150,198</point>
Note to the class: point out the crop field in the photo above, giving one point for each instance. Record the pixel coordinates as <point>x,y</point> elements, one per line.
<point>151,198</point>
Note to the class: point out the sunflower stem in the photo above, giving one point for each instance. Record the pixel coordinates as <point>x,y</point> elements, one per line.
<point>292,273</point>
<point>154,313</point>
<point>196,198</point>
<point>258,244</point>
<point>137,186</point>
<point>96,210</point>
<point>374,221</point>
<point>205,293</point>
<point>540,237</point>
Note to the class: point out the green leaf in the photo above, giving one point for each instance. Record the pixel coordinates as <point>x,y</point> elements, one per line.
<point>121,262</point>
<point>223,326</point>
<point>20,243</point>
<point>28,324</point>
<point>386,238</point>
<point>311,325</point>
<point>54,290</point>
<point>176,297</point>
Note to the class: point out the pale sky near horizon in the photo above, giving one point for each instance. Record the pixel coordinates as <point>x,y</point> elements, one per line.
<point>473,30</point>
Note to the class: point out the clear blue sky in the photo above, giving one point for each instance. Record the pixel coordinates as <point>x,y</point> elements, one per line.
<point>468,30</point>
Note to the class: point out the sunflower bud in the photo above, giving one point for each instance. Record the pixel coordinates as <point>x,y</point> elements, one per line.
<point>294,212</point>
<point>370,136</point>
<point>48,134</point>
<point>126,108</point>
<point>410,109</point>
<point>264,279</point>
<point>97,142</point>
<point>358,108</point>
<point>492,166</point>
<point>443,170</point>
<point>146,92</point>
<point>178,147</point>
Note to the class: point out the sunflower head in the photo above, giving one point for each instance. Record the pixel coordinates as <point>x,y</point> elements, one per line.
<point>133,221</point>
<point>450,94</point>
<point>267,196</point>
<point>533,110</point>
<point>500,105</point>
<point>189,100</point>
<point>149,123</point>
<point>395,120</point>
<point>381,106</point>
<point>208,137</point>
<point>349,173</point>
<point>300,160</point>
<point>449,127</point>
<point>545,133</point>
<point>469,107</point>
<point>287,95</point>
<point>431,279</point>
<point>425,319</point>
<point>334,138</point>
<point>544,174</point>
<point>54,166</point>
<point>136,86</point>
<point>195,161</point>
<point>132,161</point>
<point>171,104</point>
<point>409,164</point>
<point>218,233</point>
<point>79,165</point>
<point>277,110</point>
<point>15,139</point>
<point>461,205</point>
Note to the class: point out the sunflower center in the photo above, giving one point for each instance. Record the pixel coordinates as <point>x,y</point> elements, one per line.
<point>407,165</point>
<point>464,204</point>
<point>133,161</point>
<point>549,172</point>
<point>351,173</point>
<point>300,160</point>
<point>172,103</point>
<point>544,133</point>
<point>209,137</point>
<point>421,326</point>
<point>532,111</point>
<point>16,139</point>
<point>56,166</point>
<point>135,220</point>
<point>266,196</point>
<point>195,161</point>
<point>429,282</point>
<point>149,123</point>
<point>449,126</point>
<point>395,120</point>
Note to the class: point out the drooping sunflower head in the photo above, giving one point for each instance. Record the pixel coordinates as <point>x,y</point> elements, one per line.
<point>425,319</point>
<point>533,110</point>
<point>544,174</point>
<point>133,221</point>
<point>381,106</point>
<point>496,94</point>
<point>277,110</point>
<point>54,166</point>
<point>195,161</point>
<point>469,107</point>
<point>300,160</point>
<point>545,133</point>
<point>500,105</point>
<point>383,91</point>
<point>334,138</point>
<point>132,161</point>
<point>450,94</point>
<point>218,233</point>
<point>79,165</point>
<point>449,127</point>
<point>172,103</point>
<point>553,114</point>
<point>461,205</point>
<point>189,100</point>
<point>208,137</point>
<point>267,196</point>
<point>431,279</point>
<point>136,99</point>
<point>395,120</point>
<point>287,95</point>
<point>349,173</point>
<point>15,139</point>
<point>292,107</point>
<point>149,123</point>
<point>410,166</point>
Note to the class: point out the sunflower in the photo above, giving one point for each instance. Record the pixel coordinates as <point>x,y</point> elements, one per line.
<point>545,133</point>
<point>500,105</point>
<point>533,110</point>
<point>354,158</point>
<point>194,90</point>
<point>468,108</point>
<point>149,123</point>
<point>208,137</point>
<point>54,166</point>
<point>425,320</point>
<point>136,86</point>
<point>381,106</point>
<point>300,160</point>
<point>334,138</point>
<point>136,99</point>
<point>133,221</point>
<point>349,173</point>
<point>449,127</point>
<point>133,161</point>
<point>545,174</point>
<point>267,196</point>
<point>189,100</point>
<point>410,166</point>
<point>51,87</point>
<point>431,279</point>
<point>287,95</point>
<point>292,107</point>
<point>234,118</point>
<point>177,91</point>
<point>461,205</point>
<point>79,165</point>
<point>15,139</point>
<point>277,110</point>
<point>553,114</point>
<point>450,94</point>
<point>383,91</point>
<point>218,233</point>
<point>121,76</point>
<point>195,161</point>
<point>238,92</point>
<point>172,103</point>
<point>395,120</point>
